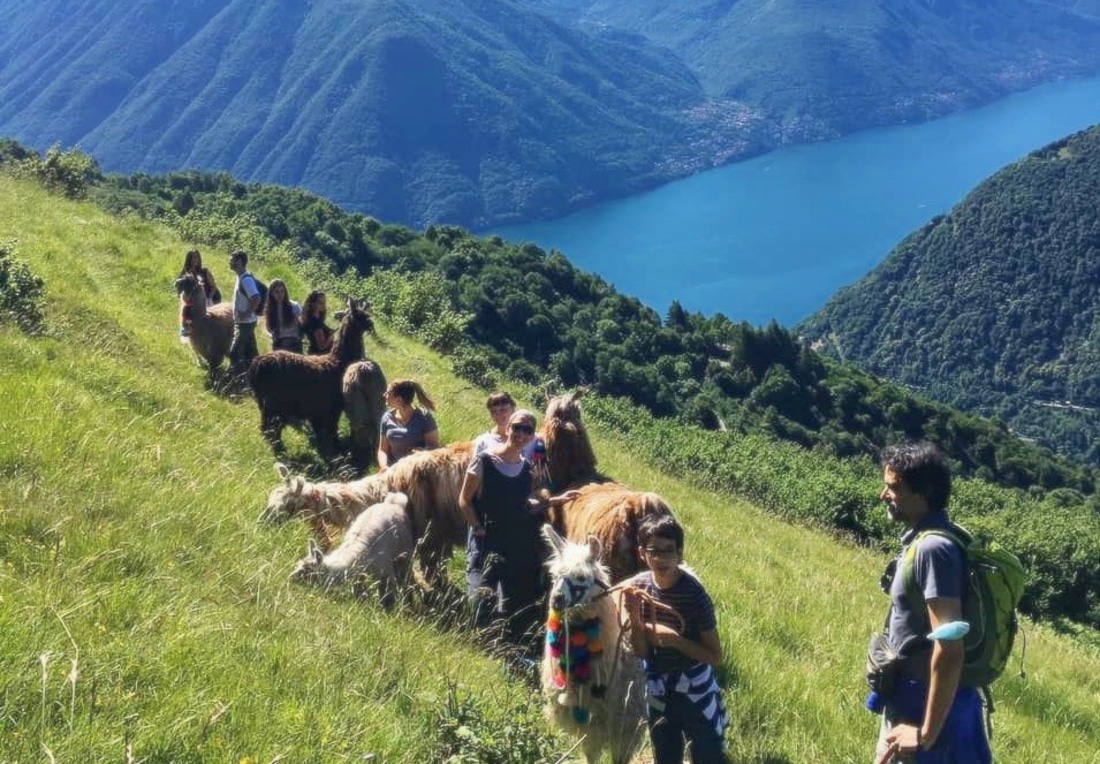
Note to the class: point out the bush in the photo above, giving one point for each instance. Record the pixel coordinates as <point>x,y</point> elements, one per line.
<point>67,172</point>
<point>21,292</point>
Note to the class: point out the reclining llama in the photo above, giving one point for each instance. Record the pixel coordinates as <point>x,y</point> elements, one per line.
<point>378,546</point>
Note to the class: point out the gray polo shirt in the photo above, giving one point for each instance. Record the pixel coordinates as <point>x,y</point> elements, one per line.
<point>939,567</point>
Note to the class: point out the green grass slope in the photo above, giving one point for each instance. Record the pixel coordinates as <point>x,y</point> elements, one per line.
<point>146,617</point>
<point>994,307</point>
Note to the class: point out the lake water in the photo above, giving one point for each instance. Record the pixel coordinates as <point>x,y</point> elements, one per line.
<point>776,236</point>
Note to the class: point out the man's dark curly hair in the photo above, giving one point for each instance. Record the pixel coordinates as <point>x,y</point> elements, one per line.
<point>923,468</point>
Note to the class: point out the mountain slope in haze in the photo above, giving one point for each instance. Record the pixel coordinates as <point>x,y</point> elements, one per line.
<point>415,111</point>
<point>994,307</point>
<point>823,69</point>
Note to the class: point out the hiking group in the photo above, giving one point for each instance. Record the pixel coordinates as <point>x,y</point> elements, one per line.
<point>948,630</point>
<point>289,325</point>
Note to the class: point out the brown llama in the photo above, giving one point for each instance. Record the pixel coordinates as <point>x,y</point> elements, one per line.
<point>431,479</point>
<point>211,326</point>
<point>291,388</point>
<point>611,512</point>
<point>364,387</point>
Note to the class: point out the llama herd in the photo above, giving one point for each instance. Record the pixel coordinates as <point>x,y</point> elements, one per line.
<point>591,539</point>
<point>374,528</point>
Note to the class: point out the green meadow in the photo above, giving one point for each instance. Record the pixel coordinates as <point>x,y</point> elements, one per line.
<point>146,617</point>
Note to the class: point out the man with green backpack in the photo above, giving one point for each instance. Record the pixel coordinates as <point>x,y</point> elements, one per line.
<point>951,622</point>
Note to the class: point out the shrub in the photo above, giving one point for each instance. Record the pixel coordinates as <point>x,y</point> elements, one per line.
<point>21,292</point>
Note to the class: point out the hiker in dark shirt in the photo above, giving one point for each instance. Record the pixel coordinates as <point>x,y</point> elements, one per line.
<point>927,718</point>
<point>673,629</point>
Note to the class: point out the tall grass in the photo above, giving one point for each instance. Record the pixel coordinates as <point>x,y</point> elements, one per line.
<point>145,616</point>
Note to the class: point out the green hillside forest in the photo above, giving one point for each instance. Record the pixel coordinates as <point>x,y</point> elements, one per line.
<point>994,307</point>
<point>502,309</point>
<point>488,112</point>
<point>147,617</point>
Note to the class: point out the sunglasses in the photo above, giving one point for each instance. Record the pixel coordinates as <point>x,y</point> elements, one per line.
<point>524,428</point>
<point>660,551</point>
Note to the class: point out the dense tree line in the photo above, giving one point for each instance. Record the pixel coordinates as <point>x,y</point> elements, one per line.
<point>994,308</point>
<point>532,316</point>
<point>516,310</point>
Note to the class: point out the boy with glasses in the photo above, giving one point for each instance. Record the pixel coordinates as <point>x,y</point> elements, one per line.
<point>673,629</point>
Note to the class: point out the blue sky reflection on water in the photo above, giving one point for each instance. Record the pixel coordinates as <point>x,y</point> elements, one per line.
<point>777,235</point>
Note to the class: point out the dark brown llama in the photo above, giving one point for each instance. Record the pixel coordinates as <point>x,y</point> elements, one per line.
<point>291,388</point>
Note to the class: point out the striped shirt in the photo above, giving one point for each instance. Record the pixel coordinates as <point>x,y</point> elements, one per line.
<point>688,597</point>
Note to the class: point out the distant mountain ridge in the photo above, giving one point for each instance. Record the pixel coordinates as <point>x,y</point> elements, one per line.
<point>468,111</point>
<point>487,112</point>
<point>994,307</point>
<point>825,69</point>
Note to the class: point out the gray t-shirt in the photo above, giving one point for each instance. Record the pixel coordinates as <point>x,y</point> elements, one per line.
<point>938,565</point>
<point>406,438</point>
<point>243,292</point>
<point>508,469</point>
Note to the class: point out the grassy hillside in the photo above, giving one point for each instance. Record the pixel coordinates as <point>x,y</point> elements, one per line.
<point>146,617</point>
<point>994,307</point>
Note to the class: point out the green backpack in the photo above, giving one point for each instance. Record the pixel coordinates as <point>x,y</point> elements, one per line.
<point>995,584</point>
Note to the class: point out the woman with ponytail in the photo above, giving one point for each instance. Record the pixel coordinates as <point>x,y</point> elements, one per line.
<point>406,427</point>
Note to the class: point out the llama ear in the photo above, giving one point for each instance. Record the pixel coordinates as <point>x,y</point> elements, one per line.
<point>297,485</point>
<point>595,547</point>
<point>553,539</point>
<point>284,472</point>
<point>313,551</point>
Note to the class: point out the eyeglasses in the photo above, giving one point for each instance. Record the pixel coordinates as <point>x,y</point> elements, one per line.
<point>661,551</point>
<point>526,429</point>
<point>501,407</point>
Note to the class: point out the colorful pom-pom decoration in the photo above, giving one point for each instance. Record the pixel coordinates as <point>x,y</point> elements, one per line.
<point>572,645</point>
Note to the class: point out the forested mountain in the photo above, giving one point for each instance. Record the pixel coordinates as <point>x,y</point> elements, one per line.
<point>486,112</point>
<point>821,69</point>
<point>414,110</point>
<point>994,307</point>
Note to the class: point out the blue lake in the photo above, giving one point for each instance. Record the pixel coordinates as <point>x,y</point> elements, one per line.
<point>776,236</point>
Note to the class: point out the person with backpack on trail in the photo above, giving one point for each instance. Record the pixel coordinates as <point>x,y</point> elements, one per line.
<point>928,715</point>
<point>246,304</point>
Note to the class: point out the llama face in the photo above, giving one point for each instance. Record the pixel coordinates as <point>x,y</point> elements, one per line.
<point>189,288</point>
<point>578,575</point>
<point>359,317</point>
<point>284,501</point>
